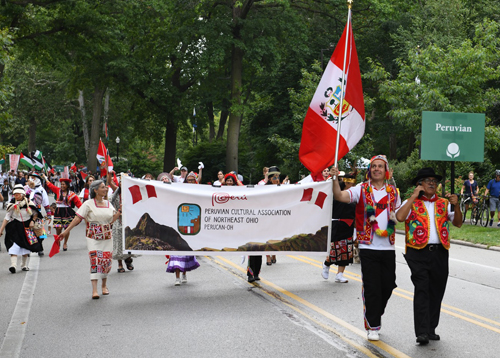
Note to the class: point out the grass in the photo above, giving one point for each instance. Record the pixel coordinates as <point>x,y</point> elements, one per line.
<point>476,234</point>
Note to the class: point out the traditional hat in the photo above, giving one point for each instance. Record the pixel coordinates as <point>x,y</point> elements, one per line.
<point>18,189</point>
<point>274,170</point>
<point>382,158</point>
<point>425,173</point>
<point>232,176</point>
<point>192,174</point>
<point>34,174</point>
<point>65,180</point>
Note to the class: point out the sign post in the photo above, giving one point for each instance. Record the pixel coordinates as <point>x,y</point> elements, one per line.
<point>453,137</point>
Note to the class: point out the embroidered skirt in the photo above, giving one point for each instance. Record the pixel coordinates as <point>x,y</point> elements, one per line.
<point>341,252</point>
<point>100,246</point>
<point>63,217</point>
<point>183,263</point>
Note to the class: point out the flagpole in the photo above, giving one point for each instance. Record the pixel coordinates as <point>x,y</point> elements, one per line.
<point>342,85</point>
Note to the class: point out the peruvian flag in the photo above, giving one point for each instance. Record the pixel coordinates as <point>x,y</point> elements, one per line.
<point>102,154</point>
<point>73,167</point>
<point>142,192</point>
<point>319,131</point>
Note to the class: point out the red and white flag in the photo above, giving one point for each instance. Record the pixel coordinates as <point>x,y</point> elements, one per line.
<point>73,167</point>
<point>319,131</point>
<point>142,192</point>
<point>102,154</point>
<point>65,173</point>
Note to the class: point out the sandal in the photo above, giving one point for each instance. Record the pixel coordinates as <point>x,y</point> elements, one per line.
<point>95,296</point>
<point>121,269</point>
<point>128,263</point>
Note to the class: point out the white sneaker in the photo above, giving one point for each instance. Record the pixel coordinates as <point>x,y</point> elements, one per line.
<point>326,271</point>
<point>177,282</point>
<point>373,335</point>
<point>184,278</point>
<point>340,278</point>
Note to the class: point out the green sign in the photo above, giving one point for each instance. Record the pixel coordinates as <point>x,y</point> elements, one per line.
<point>455,137</point>
<point>58,168</point>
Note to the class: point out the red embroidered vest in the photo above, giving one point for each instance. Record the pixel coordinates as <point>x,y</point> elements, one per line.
<point>417,225</point>
<point>364,229</point>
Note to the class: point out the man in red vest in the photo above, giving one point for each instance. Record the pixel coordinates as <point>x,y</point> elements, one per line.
<point>427,220</point>
<point>376,203</point>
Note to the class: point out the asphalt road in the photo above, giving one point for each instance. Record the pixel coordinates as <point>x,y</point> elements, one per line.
<point>291,312</point>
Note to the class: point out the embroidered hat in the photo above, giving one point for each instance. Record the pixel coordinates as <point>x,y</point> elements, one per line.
<point>18,189</point>
<point>382,158</point>
<point>425,173</point>
<point>232,176</point>
<point>65,180</point>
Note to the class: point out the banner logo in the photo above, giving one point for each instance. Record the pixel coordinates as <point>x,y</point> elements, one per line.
<point>222,198</point>
<point>188,219</point>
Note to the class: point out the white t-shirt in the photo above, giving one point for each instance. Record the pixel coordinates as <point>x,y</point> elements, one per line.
<point>433,234</point>
<point>380,197</point>
<point>178,179</point>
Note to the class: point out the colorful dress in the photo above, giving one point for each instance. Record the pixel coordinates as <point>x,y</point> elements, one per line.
<point>64,213</point>
<point>99,236</point>
<point>19,217</point>
<point>183,263</point>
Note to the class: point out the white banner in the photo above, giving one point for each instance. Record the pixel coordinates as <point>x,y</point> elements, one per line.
<point>14,161</point>
<point>160,218</point>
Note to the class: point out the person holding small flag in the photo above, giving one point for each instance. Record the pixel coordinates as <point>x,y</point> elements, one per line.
<point>100,216</point>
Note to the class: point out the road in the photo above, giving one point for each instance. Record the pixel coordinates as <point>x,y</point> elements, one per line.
<point>291,312</point>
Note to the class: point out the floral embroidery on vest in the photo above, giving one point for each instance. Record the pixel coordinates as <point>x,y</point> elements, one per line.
<point>417,225</point>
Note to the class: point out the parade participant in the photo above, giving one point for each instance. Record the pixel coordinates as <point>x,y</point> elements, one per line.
<point>116,201</point>
<point>100,216</point>
<point>230,180</point>
<point>178,178</point>
<point>220,178</point>
<point>471,189</point>
<point>66,200</point>
<point>493,188</point>
<point>84,194</point>
<point>20,240</point>
<point>183,264</point>
<point>6,192</point>
<point>273,178</point>
<point>38,190</point>
<point>342,241</point>
<point>426,218</point>
<point>376,202</point>
<point>20,179</point>
<point>265,171</point>
<point>163,177</point>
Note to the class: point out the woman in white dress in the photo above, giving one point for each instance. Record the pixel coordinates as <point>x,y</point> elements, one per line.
<point>100,216</point>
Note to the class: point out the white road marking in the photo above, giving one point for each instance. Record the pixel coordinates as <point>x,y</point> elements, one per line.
<point>14,337</point>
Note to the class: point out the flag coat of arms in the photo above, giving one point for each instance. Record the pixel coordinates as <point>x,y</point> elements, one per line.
<point>319,131</point>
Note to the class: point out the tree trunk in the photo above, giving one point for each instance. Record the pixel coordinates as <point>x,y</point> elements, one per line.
<point>106,111</point>
<point>223,119</point>
<point>32,135</point>
<point>95,128</point>
<point>170,144</point>
<point>85,126</point>
<point>393,147</point>
<point>211,121</point>
<point>233,128</point>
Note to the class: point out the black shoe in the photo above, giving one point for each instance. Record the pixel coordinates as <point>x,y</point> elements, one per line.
<point>12,269</point>
<point>434,337</point>
<point>41,253</point>
<point>257,278</point>
<point>423,339</point>
<point>251,279</point>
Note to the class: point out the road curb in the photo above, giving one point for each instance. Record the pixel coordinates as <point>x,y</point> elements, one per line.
<point>464,243</point>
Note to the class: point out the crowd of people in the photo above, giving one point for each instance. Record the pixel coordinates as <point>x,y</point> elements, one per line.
<point>363,228</point>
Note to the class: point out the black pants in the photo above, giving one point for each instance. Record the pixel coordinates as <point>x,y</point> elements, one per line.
<point>254,265</point>
<point>429,274</point>
<point>378,268</point>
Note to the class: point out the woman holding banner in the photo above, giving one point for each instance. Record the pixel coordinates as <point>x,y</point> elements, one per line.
<point>100,216</point>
